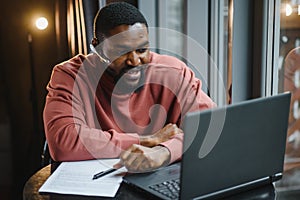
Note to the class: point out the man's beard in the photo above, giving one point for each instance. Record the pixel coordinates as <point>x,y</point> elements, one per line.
<point>123,85</point>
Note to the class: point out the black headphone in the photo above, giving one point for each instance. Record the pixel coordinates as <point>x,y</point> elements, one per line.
<point>95,41</point>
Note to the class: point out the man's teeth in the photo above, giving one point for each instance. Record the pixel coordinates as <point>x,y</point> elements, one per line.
<point>132,71</point>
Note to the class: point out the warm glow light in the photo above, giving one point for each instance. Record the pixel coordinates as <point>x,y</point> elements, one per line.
<point>41,23</point>
<point>298,9</point>
<point>288,10</point>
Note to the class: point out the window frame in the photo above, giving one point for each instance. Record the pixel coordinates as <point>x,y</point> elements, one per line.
<point>197,29</point>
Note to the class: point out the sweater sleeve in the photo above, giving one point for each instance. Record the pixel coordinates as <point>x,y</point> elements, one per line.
<point>191,98</point>
<point>68,135</point>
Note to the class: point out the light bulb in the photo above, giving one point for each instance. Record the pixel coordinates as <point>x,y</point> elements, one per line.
<point>41,23</point>
<point>288,9</point>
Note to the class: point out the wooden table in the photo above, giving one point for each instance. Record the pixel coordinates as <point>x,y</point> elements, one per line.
<point>289,186</point>
<point>32,186</point>
<point>30,191</point>
<point>283,189</point>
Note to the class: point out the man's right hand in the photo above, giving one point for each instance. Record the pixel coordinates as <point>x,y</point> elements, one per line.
<point>160,136</point>
<point>138,158</point>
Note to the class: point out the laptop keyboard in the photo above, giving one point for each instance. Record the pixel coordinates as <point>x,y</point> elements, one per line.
<point>170,188</point>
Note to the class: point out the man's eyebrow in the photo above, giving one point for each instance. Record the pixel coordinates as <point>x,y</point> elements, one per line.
<point>122,46</point>
<point>144,44</point>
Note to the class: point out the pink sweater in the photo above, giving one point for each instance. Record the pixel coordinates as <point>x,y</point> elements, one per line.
<point>87,117</point>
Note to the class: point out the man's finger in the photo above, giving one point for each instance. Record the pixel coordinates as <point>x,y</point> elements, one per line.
<point>118,165</point>
<point>124,155</point>
<point>129,157</point>
<point>135,166</point>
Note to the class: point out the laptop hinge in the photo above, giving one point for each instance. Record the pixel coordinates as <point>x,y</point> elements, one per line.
<point>276,177</point>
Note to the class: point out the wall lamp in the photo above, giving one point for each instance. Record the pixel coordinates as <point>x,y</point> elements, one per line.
<point>41,23</point>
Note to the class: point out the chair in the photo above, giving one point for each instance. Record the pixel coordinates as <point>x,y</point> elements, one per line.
<point>45,157</point>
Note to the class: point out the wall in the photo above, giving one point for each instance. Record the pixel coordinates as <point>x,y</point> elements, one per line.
<point>16,19</point>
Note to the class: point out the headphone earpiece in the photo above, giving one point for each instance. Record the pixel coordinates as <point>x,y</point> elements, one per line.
<point>95,41</point>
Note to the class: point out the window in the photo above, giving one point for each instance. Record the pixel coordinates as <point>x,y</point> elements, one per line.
<point>220,50</point>
<point>182,29</point>
<point>289,70</point>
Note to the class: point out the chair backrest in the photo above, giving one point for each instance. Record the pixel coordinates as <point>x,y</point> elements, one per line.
<point>45,157</point>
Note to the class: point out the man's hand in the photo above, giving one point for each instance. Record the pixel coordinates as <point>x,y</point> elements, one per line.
<point>138,158</point>
<point>160,136</point>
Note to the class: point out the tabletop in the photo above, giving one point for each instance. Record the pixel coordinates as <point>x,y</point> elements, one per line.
<point>288,188</point>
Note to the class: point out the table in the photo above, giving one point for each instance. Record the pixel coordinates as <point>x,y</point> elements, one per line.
<point>289,186</point>
<point>283,190</point>
<point>30,191</point>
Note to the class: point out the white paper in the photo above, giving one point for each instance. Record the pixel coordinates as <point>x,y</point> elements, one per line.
<point>77,178</point>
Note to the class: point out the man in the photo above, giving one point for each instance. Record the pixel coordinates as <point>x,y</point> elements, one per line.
<point>121,101</point>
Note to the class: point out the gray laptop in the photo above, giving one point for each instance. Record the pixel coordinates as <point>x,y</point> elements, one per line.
<point>226,150</point>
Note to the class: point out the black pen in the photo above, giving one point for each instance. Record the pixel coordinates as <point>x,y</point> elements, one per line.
<point>103,173</point>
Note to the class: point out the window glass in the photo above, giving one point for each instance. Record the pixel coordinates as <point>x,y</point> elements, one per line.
<point>220,51</point>
<point>289,71</point>
<point>187,29</point>
<point>170,41</point>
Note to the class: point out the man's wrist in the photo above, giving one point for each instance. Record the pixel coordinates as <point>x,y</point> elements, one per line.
<point>165,152</point>
<point>148,141</point>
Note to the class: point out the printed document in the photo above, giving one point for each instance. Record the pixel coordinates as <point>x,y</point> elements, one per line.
<point>77,178</point>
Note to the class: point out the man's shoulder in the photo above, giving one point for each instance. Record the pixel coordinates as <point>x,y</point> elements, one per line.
<point>167,67</point>
<point>75,63</point>
<point>167,60</point>
<point>166,70</point>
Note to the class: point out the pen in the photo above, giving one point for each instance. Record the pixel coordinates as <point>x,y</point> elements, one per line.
<point>103,173</point>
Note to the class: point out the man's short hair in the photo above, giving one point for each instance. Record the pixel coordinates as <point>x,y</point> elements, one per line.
<point>116,14</point>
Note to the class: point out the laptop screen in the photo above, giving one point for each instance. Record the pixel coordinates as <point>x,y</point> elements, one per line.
<point>235,146</point>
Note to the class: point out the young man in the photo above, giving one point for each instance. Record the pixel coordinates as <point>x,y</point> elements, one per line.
<point>122,100</point>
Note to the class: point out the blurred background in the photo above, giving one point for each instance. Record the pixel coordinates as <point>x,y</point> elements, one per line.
<point>247,44</point>
<point>28,56</point>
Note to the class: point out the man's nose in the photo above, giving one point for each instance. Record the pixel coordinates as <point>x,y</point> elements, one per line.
<point>133,59</point>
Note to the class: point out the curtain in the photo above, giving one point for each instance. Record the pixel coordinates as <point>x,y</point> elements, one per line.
<point>74,26</point>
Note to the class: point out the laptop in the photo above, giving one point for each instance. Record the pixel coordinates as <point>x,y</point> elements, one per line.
<point>226,150</point>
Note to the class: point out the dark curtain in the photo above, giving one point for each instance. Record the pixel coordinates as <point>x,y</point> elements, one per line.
<point>74,26</point>
<point>90,10</point>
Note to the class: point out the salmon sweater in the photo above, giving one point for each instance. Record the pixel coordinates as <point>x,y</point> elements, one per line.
<point>86,115</point>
